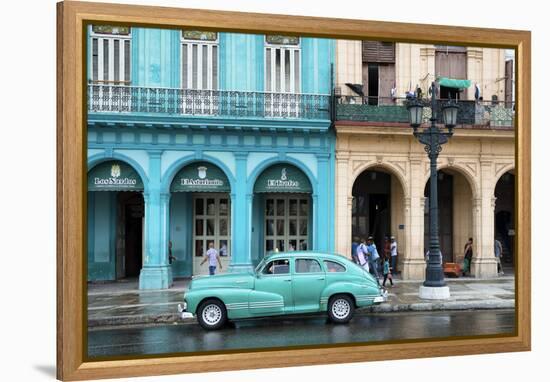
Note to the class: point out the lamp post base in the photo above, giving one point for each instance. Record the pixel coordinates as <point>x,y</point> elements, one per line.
<point>434,293</point>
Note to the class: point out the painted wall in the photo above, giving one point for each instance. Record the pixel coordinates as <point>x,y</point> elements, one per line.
<point>101,235</point>
<point>181,233</point>
<point>156,57</point>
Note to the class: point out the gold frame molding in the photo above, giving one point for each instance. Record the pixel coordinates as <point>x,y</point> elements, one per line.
<point>71,186</point>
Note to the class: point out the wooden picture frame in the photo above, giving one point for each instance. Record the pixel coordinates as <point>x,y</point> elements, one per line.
<point>71,181</point>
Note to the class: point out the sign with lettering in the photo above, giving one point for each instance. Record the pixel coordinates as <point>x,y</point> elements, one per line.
<point>114,176</point>
<point>283,178</point>
<point>200,177</point>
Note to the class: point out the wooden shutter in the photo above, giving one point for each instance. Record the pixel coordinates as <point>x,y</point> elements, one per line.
<point>452,64</point>
<point>378,51</point>
<point>509,73</point>
<point>386,79</point>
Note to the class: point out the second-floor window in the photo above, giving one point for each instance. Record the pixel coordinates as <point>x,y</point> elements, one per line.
<point>110,54</point>
<point>199,58</point>
<point>282,64</point>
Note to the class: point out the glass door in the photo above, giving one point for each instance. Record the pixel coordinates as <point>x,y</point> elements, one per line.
<point>286,222</point>
<point>211,224</point>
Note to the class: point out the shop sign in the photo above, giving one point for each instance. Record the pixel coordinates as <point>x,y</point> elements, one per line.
<point>283,178</point>
<point>114,176</point>
<point>200,177</point>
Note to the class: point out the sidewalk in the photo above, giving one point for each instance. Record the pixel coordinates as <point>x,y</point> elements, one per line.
<point>121,303</point>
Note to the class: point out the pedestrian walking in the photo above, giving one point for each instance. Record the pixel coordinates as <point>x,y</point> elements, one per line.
<point>361,254</point>
<point>171,258</point>
<point>213,259</point>
<point>498,256</point>
<point>354,244</point>
<point>373,257</point>
<point>393,254</point>
<point>468,254</point>
<point>387,271</point>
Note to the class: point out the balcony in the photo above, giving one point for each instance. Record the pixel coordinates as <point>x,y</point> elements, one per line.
<point>105,98</point>
<point>471,114</point>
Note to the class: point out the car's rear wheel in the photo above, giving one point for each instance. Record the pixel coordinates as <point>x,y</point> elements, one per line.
<point>212,314</point>
<point>340,309</point>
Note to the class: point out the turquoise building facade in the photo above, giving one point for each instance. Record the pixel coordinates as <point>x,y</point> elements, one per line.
<point>200,137</point>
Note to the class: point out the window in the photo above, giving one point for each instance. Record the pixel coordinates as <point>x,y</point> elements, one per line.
<point>282,64</point>
<point>307,266</point>
<point>276,267</point>
<point>333,266</point>
<point>286,223</point>
<point>199,58</point>
<point>110,54</point>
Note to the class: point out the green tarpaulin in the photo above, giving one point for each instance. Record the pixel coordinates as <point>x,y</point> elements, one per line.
<point>454,83</point>
<point>114,176</point>
<point>200,177</point>
<point>283,178</point>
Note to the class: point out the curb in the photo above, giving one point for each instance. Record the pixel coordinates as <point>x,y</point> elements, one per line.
<point>171,318</point>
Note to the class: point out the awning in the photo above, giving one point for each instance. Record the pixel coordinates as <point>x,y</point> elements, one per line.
<point>114,176</point>
<point>283,178</point>
<point>200,177</point>
<point>454,83</point>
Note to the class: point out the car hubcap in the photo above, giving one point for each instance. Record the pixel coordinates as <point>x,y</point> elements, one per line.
<point>212,314</point>
<point>340,308</point>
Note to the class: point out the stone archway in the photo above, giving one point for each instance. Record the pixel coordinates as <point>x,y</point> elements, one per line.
<point>505,216</point>
<point>379,208</point>
<point>456,213</point>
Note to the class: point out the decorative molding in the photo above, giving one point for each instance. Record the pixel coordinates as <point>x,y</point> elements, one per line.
<point>472,166</point>
<point>379,159</point>
<point>358,164</point>
<point>451,161</point>
<point>400,165</point>
<point>500,166</point>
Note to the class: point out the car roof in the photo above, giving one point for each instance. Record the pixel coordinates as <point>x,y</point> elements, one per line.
<point>294,254</point>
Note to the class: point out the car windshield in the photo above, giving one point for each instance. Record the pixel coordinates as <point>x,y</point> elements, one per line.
<point>259,266</point>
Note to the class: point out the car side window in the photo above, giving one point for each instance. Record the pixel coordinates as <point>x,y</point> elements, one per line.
<point>277,267</point>
<point>333,266</point>
<point>307,266</point>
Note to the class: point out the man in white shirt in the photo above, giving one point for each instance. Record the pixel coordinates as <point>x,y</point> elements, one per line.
<point>393,252</point>
<point>213,259</point>
<point>361,252</point>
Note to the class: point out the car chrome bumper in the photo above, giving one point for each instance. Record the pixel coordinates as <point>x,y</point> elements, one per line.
<point>382,298</point>
<point>182,311</point>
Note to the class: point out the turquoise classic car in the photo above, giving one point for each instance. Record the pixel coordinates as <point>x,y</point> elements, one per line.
<point>283,283</point>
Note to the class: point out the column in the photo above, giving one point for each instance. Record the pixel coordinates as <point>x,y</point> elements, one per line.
<point>241,217</point>
<point>156,272</point>
<point>344,200</point>
<point>414,264</point>
<point>484,264</point>
<point>322,204</point>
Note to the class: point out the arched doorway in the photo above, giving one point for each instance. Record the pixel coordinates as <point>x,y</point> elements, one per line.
<point>282,210</point>
<point>377,208</point>
<point>115,221</point>
<point>200,214</point>
<point>455,214</point>
<point>505,217</point>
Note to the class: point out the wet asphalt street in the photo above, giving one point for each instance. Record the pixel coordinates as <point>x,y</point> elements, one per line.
<point>297,331</point>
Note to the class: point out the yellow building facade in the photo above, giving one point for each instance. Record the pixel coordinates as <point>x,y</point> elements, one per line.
<point>382,171</point>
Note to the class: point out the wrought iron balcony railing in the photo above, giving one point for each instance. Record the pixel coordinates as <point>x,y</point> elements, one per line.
<point>480,114</point>
<point>207,103</point>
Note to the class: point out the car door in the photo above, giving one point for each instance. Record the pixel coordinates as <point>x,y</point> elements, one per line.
<point>308,282</point>
<point>272,290</point>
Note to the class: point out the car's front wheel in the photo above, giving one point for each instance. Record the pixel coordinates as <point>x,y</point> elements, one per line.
<point>212,314</point>
<point>340,309</point>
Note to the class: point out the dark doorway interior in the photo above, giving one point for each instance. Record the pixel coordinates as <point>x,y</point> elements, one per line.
<point>449,93</point>
<point>373,84</point>
<point>504,216</point>
<point>445,204</point>
<point>130,212</point>
<point>371,207</point>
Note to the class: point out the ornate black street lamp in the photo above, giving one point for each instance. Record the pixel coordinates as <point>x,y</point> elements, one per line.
<point>433,138</point>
